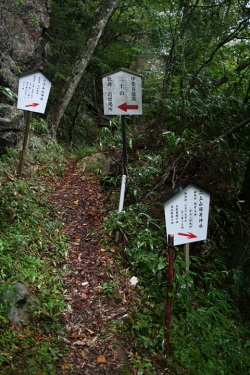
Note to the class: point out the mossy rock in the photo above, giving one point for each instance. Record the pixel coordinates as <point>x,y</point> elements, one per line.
<point>93,163</point>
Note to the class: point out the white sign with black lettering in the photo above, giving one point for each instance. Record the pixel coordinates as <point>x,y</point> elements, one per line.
<point>33,91</point>
<point>186,215</point>
<point>122,93</point>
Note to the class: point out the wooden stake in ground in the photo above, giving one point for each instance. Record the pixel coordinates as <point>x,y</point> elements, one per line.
<point>170,280</point>
<point>25,142</point>
<point>187,261</point>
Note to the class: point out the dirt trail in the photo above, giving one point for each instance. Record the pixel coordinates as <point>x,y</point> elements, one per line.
<point>93,348</point>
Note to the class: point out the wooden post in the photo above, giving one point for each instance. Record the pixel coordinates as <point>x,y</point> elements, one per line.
<point>170,280</point>
<point>25,142</point>
<point>186,259</point>
<point>186,256</point>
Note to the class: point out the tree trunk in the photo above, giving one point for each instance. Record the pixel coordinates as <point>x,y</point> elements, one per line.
<point>102,15</point>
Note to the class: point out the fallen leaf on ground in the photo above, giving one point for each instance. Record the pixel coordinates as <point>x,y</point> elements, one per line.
<point>84,296</point>
<point>101,359</point>
<point>80,343</point>
<point>65,366</point>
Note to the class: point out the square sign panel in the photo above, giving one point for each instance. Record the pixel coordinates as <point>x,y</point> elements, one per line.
<point>122,93</point>
<point>186,213</point>
<point>33,91</point>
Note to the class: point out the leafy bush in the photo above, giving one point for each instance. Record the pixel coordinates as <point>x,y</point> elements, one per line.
<point>206,335</point>
<point>145,247</point>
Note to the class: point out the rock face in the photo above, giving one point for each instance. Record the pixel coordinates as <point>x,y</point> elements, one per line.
<point>22,24</point>
<point>11,126</point>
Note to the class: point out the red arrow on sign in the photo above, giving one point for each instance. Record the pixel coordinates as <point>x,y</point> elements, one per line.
<point>188,235</point>
<point>32,105</point>
<point>124,107</point>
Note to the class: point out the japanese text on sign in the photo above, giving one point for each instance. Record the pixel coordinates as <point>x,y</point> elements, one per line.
<point>36,87</point>
<point>33,91</point>
<point>187,215</point>
<point>122,93</point>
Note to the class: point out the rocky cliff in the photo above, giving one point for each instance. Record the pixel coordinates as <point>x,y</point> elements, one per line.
<point>22,24</point>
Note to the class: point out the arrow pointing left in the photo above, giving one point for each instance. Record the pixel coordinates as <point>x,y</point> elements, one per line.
<point>124,107</point>
<point>32,105</point>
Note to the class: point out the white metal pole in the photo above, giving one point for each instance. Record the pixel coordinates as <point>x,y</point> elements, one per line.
<point>122,194</point>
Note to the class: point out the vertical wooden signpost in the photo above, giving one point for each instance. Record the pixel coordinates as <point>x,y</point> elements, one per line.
<point>170,281</point>
<point>186,214</point>
<point>122,96</point>
<point>33,93</point>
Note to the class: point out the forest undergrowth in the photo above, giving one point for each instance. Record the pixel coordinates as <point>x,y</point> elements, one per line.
<point>208,333</point>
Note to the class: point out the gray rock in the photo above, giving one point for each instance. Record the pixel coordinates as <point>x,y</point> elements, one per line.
<point>19,301</point>
<point>11,127</point>
<point>92,163</point>
<point>11,118</point>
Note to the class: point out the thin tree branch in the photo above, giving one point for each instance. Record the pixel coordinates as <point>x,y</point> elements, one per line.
<point>238,69</point>
<point>233,130</point>
<point>228,39</point>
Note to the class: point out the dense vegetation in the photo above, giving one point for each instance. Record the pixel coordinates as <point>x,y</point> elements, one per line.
<point>194,58</point>
<point>32,247</point>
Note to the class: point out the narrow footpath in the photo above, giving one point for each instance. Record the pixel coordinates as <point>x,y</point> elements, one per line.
<point>93,347</point>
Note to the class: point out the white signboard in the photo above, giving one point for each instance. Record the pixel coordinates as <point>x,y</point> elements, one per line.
<point>33,91</point>
<point>186,215</point>
<point>122,93</point>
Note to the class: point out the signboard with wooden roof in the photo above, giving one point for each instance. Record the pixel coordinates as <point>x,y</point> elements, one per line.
<point>33,91</point>
<point>122,93</point>
<point>186,213</point>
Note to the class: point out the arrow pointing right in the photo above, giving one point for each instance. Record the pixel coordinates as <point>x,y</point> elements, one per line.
<point>188,235</point>
<point>32,105</point>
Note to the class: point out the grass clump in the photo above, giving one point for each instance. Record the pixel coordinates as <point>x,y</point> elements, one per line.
<point>32,251</point>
